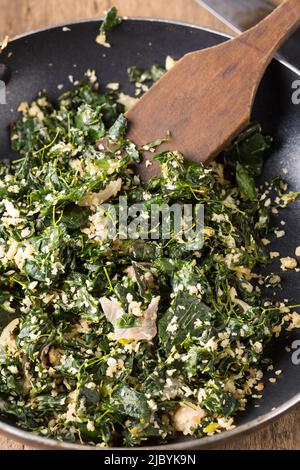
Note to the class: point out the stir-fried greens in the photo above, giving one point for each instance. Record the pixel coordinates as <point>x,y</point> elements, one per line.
<point>113,341</point>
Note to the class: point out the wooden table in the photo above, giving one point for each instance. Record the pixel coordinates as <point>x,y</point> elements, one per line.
<point>19,16</point>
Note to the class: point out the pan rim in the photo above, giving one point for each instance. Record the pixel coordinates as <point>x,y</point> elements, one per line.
<point>150,20</point>
<point>30,438</point>
<point>125,18</point>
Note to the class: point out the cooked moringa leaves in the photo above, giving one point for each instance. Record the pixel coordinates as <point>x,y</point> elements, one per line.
<point>137,75</point>
<point>111,20</point>
<point>117,341</point>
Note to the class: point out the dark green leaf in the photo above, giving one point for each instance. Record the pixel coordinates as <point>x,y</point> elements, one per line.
<point>118,129</point>
<point>245,182</point>
<point>132,403</point>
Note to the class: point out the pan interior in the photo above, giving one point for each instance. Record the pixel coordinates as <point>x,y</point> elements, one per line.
<point>46,59</point>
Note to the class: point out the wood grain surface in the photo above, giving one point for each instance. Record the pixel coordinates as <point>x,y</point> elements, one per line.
<point>19,16</point>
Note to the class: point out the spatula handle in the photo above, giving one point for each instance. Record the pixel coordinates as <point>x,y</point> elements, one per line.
<point>267,36</point>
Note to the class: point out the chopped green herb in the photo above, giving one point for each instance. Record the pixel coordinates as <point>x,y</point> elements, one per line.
<point>141,75</point>
<point>110,21</point>
<point>116,341</point>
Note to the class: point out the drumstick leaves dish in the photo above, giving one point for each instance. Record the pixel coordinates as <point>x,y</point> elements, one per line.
<point>112,341</point>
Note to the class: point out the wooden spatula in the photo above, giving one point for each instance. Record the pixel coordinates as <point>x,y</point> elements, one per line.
<point>205,100</point>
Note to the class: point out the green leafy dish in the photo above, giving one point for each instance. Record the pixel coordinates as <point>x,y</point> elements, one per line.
<point>116,342</point>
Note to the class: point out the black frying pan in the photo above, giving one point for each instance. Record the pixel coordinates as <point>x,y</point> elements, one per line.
<point>46,58</point>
